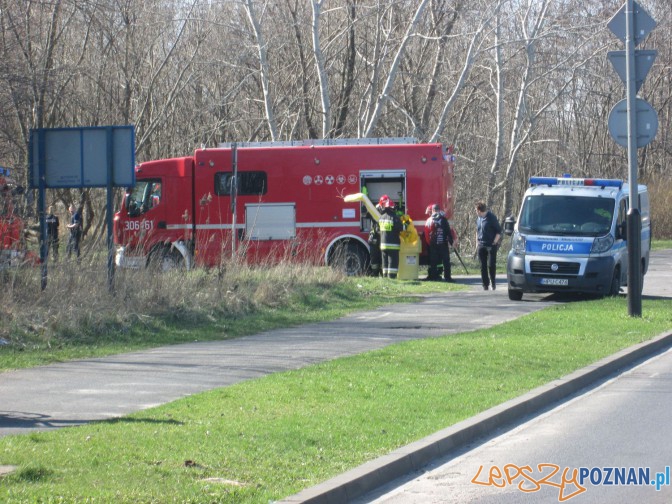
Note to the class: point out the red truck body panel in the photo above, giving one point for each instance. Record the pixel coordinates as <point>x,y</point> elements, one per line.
<point>288,200</point>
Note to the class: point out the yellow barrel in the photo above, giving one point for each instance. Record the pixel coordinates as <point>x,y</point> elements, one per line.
<point>409,259</point>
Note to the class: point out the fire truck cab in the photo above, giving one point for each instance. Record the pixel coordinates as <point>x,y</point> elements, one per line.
<point>270,201</point>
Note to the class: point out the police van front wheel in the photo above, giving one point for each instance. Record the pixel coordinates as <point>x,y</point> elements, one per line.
<point>515,295</point>
<point>615,287</point>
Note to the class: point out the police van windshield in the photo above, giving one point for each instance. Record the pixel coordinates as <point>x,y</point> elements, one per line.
<point>566,215</point>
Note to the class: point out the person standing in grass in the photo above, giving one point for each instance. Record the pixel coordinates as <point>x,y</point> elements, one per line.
<point>75,228</point>
<point>52,232</point>
<point>488,237</point>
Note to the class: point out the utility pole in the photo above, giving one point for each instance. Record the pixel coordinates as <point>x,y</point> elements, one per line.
<point>631,24</point>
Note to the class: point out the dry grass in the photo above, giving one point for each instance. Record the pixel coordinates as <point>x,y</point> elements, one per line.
<point>660,190</point>
<point>77,301</point>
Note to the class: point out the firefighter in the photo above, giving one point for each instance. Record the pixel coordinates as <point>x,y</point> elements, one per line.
<point>374,246</point>
<point>438,237</point>
<point>390,238</point>
<point>156,195</point>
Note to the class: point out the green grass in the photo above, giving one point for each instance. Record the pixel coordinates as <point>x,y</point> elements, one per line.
<point>265,439</point>
<point>661,244</point>
<point>310,302</point>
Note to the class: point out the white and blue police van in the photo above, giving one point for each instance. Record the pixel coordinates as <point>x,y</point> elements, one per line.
<point>570,236</point>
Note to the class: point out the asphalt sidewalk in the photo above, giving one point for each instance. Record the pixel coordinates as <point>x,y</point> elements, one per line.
<point>76,392</point>
<point>81,391</point>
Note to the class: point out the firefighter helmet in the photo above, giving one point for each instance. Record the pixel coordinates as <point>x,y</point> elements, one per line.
<point>385,201</point>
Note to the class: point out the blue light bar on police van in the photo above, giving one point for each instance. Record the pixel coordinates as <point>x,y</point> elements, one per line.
<point>575,182</point>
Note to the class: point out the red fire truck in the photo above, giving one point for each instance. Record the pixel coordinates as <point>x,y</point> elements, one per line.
<point>281,199</point>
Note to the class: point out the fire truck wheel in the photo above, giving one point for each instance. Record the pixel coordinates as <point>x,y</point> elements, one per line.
<point>165,259</point>
<point>349,257</point>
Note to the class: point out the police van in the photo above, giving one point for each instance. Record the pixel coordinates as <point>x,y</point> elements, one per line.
<point>571,237</point>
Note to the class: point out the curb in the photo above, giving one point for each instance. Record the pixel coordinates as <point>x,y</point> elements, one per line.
<point>7,469</point>
<point>415,456</point>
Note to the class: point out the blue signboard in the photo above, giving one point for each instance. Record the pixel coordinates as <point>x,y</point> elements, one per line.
<point>98,156</point>
<point>83,157</point>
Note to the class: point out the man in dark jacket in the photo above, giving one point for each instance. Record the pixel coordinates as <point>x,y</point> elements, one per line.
<point>488,236</point>
<point>52,232</point>
<point>390,237</point>
<point>437,238</point>
<point>75,228</point>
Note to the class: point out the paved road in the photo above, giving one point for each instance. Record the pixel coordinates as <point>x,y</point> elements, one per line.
<point>606,427</point>
<point>72,393</point>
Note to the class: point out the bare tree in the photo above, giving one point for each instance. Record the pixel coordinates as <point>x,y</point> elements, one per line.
<point>348,72</point>
<point>444,20</point>
<point>263,68</point>
<point>293,7</point>
<point>535,26</point>
<point>521,87</point>
<point>31,47</point>
<point>474,46</point>
<point>382,98</point>
<point>321,71</point>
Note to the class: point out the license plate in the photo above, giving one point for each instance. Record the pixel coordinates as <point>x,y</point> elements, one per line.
<point>555,281</point>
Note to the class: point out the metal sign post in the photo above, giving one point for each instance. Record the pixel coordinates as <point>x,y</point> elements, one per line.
<point>99,156</point>
<point>234,196</point>
<point>632,24</point>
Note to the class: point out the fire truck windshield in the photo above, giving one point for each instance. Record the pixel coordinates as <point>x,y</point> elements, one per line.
<point>143,197</point>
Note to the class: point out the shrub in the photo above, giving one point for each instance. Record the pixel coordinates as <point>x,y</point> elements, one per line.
<point>660,192</point>
<point>77,303</point>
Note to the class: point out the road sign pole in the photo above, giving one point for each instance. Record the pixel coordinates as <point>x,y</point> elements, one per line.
<point>110,209</point>
<point>634,217</point>
<point>41,207</point>
<point>631,25</point>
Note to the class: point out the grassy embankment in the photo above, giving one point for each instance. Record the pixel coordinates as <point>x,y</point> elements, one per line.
<point>76,316</point>
<point>264,439</point>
